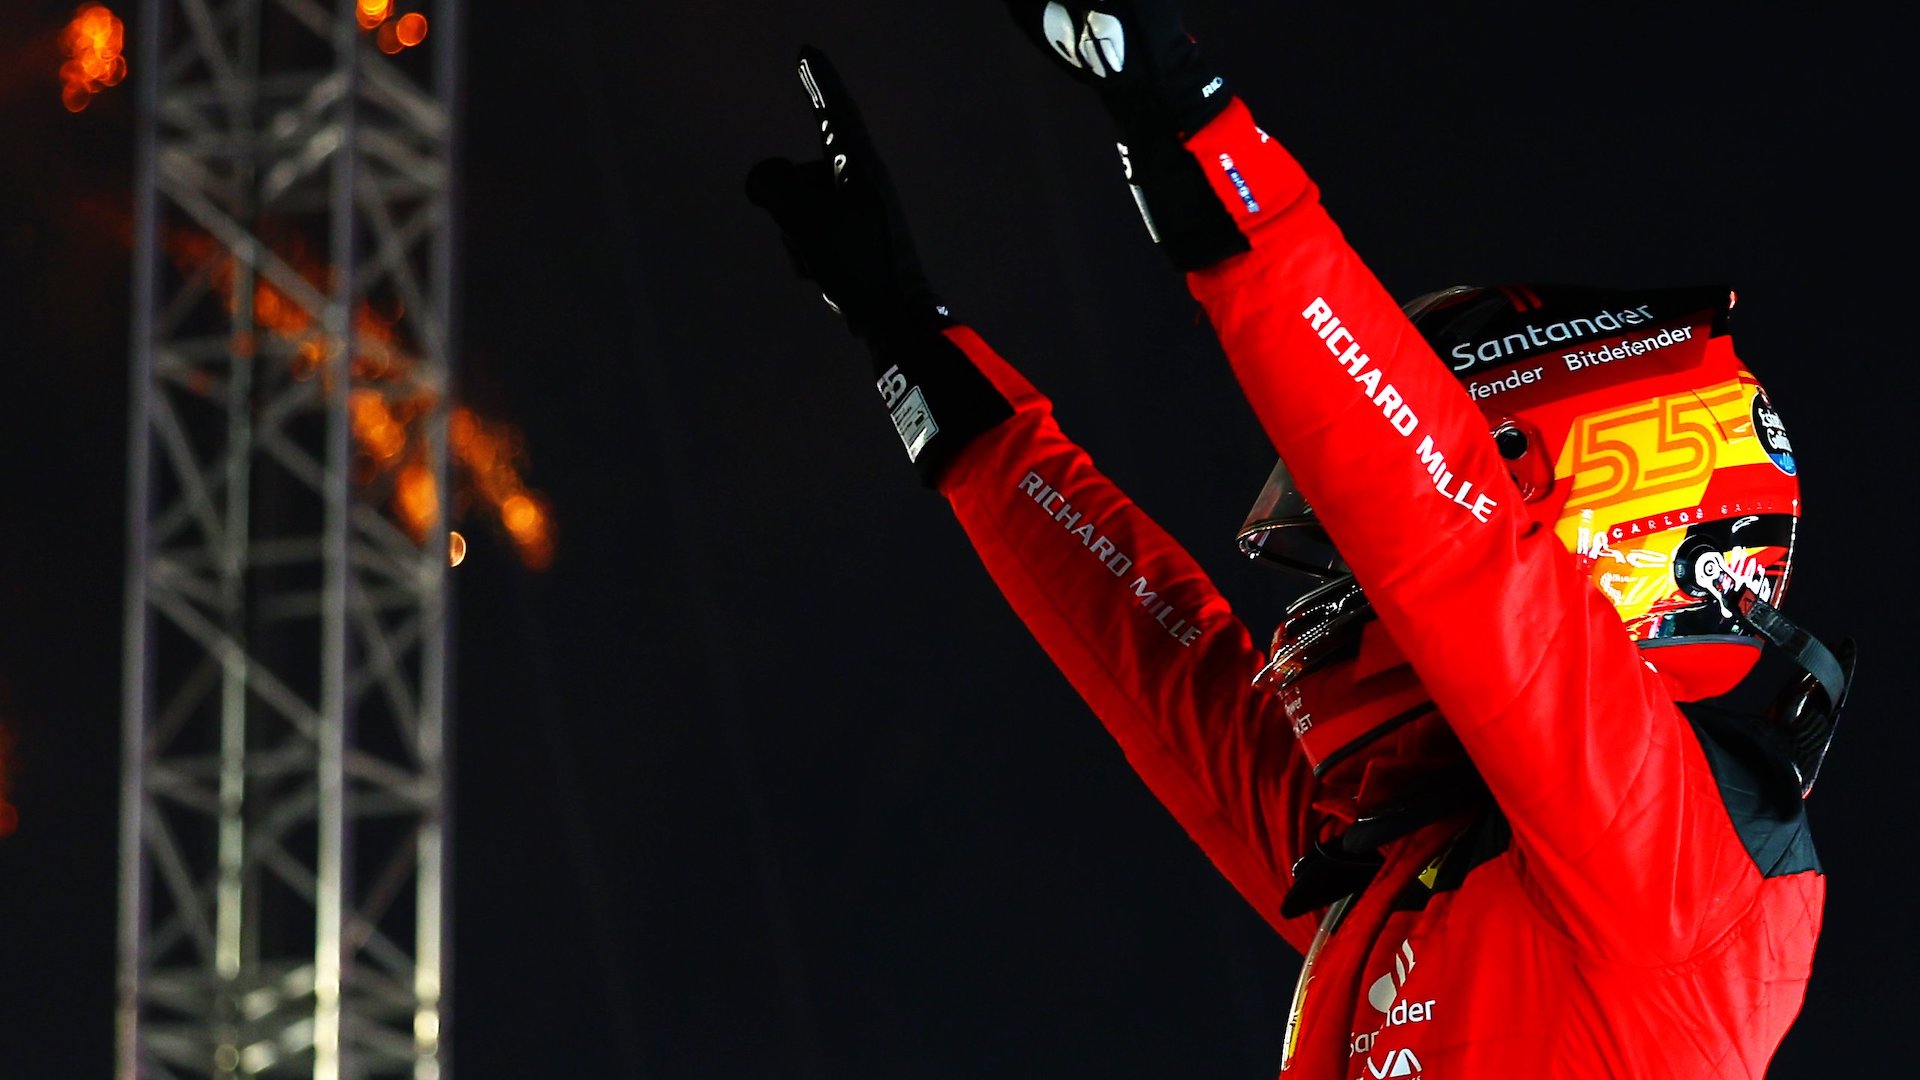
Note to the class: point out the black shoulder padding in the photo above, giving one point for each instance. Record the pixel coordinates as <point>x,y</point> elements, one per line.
<point>1753,764</point>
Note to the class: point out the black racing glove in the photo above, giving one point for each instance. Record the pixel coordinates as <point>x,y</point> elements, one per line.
<point>1154,81</point>
<point>1137,56</point>
<point>842,225</point>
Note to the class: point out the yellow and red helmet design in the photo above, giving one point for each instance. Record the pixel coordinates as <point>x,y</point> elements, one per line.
<point>1636,434</point>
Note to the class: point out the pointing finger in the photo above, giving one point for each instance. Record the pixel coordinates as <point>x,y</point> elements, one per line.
<point>843,134</point>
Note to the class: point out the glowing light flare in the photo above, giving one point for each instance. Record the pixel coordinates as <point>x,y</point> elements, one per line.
<point>380,433</point>
<point>519,514</point>
<point>273,310</point>
<point>92,42</point>
<point>416,498</point>
<point>379,358</point>
<point>403,33</point>
<point>490,452</point>
<point>390,34</point>
<point>411,29</point>
<point>456,548</point>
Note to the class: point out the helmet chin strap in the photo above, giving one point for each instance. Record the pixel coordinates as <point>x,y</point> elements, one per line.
<point>1711,577</point>
<point>1829,673</point>
<point>1808,651</point>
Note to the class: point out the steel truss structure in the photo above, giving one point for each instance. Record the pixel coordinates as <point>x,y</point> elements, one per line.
<point>284,887</point>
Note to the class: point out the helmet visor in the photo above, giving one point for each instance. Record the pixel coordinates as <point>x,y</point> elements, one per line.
<point>1282,531</point>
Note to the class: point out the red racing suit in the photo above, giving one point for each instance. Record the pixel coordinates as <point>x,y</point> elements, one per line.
<point>1623,913</point>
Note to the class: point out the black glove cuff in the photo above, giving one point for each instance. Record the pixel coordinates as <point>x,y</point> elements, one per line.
<point>937,399</point>
<point>1182,212</point>
<point>905,306</point>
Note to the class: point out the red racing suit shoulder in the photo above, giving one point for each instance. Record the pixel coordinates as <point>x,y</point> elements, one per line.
<point>1578,738</point>
<point>1627,894</point>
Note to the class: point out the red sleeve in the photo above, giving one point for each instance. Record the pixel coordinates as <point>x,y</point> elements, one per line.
<point>1143,636</point>
<point>1612,805</point>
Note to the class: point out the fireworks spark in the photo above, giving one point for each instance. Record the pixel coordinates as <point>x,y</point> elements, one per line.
<point>92,43</point>
<point>385,405</point>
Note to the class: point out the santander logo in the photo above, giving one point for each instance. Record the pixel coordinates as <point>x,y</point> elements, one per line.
<point>1386,988</point>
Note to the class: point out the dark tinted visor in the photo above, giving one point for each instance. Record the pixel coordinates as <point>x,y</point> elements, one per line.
<point>1281,531</point>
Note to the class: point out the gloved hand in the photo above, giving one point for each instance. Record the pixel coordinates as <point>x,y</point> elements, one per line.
<point>1148,71</point>
<point>841,219</point>
<point>842,225</point>
<point>1153,80</point>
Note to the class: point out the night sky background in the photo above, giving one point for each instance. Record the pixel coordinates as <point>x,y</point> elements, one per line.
<point>762,777</point>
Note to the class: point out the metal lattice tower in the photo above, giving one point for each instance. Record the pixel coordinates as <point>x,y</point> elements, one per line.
<point>284,890</point>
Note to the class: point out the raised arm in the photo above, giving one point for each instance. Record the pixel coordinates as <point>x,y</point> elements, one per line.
<point>1579,740</point>
<point>1119,606</point>
<point>1608,792</point>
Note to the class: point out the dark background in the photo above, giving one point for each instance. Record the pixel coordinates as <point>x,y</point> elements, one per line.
<point>762,777</point>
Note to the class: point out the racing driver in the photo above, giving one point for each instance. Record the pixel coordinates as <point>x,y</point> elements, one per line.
<point>1472,780</point>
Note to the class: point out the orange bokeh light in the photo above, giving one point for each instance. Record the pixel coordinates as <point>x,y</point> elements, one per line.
<point>381,433</point>
<point>403,33</point>
<point>372,13</point>
<point>383,421</point>
<point>411,29</point>
<point>490,451</point>
<point>92,42</point>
